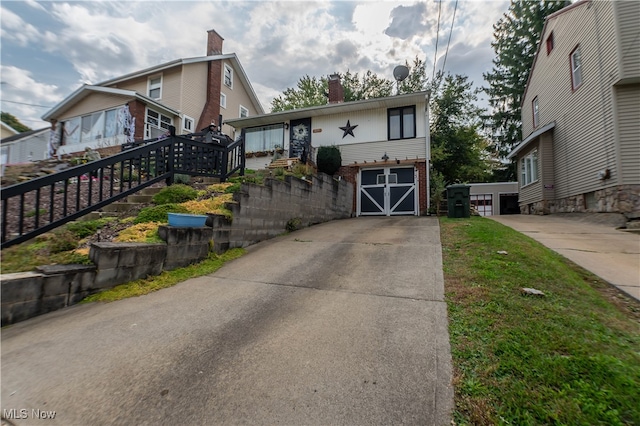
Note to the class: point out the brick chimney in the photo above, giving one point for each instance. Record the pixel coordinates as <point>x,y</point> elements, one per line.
<point>336,92</point>
<point>214,43</point>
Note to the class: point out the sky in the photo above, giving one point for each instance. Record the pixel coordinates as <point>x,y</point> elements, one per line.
<point>50,48</point>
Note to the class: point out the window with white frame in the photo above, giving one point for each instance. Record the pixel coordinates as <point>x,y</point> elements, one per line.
<point>223,100</point>
<point>244,112</point>
<point>187,124</point>
<point>536,112</point>
<point>529,168</point>
<point>155,87</point>
<point>401,123</point>
<point>228,76</point>
<point>576,68</point>
<point>98,126</point>
<point>264,138</point>
<point>156,124</point>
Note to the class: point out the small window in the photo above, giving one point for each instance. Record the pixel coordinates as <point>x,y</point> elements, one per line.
<point>401,123</point>
<point>536,112</point>
<point>529,168</point>
<point>244,112</point>
<point>576,68</point>
<point>550,43</point>
<point>155,87</point>
<point>228,76</point>
<point>187,124</point>
<point>223,100</point>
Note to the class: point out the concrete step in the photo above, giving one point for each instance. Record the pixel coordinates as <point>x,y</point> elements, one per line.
<point>150,191</point>
<point>98,215</point>
<point>137,198</point>
<point>119,207</point>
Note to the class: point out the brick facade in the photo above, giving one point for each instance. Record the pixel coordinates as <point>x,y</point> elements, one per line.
<point>211,110</point>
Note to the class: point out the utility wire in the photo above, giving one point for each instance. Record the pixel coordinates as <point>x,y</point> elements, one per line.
<point>23,103</point>
<point>435,55</point>
<point>449,42</point>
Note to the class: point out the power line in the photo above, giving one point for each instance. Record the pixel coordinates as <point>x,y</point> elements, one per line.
<point>450,31</point>
<point>435,55</point>
<point>23,103</point>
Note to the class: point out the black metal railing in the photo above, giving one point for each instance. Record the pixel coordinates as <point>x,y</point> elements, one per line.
<point>45,203</point>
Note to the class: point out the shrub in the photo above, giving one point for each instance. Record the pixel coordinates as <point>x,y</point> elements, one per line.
<point>329,159</point>
<point>83,229</point>
<point>177,193</point>
<point>159,213</point>
<point>140,233</point>
<point>62,240</point>
<point>181,179</point>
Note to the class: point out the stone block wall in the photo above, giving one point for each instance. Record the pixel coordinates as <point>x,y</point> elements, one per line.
<point>264,211</point>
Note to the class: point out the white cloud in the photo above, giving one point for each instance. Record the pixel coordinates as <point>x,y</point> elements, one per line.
<point>19,86</point>
<point>15,28</point>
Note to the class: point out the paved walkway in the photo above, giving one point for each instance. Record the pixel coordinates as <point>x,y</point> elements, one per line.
<point>340,323</point>
<point>591,241</point>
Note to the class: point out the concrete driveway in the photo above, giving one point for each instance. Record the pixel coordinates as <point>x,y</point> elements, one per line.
<point>589,240</point>
<point>340,323</point>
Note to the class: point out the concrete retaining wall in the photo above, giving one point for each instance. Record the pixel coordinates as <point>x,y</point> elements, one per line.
<point>259,213</point>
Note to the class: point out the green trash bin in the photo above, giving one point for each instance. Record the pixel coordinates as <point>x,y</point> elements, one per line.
<point>458,201</point>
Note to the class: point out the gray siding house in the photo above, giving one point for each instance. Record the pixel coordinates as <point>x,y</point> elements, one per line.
<point>581,113</point>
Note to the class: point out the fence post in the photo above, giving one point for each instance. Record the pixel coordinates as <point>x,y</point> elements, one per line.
<point>171,155</point>
<point>242,153</point>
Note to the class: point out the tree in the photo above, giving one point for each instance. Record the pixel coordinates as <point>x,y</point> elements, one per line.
<point>312,91</point>
<point>516,36</point>
<point>458,150</point>
<point>12,121</point>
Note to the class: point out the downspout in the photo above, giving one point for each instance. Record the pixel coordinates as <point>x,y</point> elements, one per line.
<point>427,138</point>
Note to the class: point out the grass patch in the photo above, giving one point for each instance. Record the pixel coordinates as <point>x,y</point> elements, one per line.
<point>166,278</point>
<point>571,357</point>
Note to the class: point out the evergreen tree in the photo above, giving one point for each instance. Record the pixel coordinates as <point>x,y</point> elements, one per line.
<point>11,120</point>
<point>516,36</point>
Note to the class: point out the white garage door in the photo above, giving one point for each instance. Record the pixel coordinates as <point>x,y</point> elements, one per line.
<point>388,191</point>
<point>483,203</point>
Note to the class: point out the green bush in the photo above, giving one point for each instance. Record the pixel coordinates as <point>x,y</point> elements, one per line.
<point>177,193</point>
<point>63,240</point>
<point>83,229</point>
<point>181,179</point>
<point>159,213</point>
<point>329,159</point>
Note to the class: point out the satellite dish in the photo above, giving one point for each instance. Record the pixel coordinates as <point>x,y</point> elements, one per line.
<point>400,72</point>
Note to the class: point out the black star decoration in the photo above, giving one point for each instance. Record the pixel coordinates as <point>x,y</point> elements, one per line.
<point>348,129</point>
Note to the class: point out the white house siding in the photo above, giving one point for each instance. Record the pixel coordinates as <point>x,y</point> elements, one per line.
<point>93,103</point>
<point>628,17</point>
<point>583,140</point>
<point>31,148</point>
<point>370,151</point>
<point>628,119</point>
<point>194,90</point>
<point>171,88</point>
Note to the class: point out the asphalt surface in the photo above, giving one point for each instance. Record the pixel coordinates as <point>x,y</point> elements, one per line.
<point>342,323</point>
<point>589,240</point>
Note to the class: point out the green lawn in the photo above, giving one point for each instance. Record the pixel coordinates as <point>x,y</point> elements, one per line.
<point>571,357</point>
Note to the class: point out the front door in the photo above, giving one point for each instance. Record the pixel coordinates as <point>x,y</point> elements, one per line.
<point>387,191</point>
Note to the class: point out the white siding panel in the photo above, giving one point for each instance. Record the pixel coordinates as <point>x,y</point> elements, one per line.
<point>628,108</point>
<point>628,18</point>
<point>373,151</point>
<point>194,89</point>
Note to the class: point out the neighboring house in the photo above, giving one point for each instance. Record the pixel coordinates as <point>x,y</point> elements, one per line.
<point>189,94</point>
<point>493,199</point>
<point>25,146</point>
<point>384,144</point>
<point>6,130</point>
<point>581,113</point>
